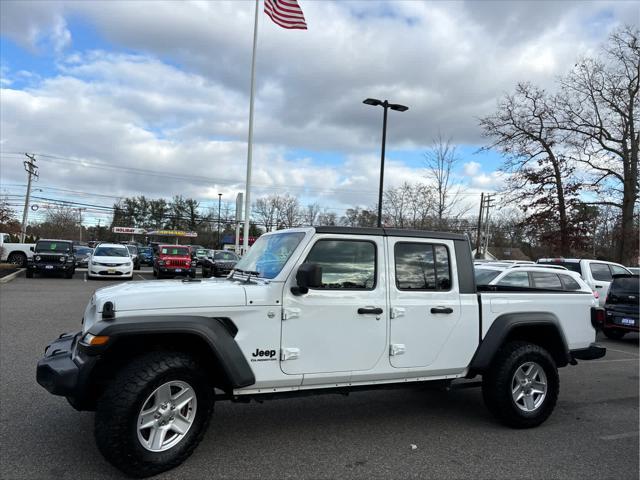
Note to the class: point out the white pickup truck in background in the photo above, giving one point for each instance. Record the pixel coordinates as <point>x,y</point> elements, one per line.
<point>17,253</point>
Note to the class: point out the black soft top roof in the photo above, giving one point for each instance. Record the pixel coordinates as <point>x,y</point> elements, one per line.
<point>391,232</point>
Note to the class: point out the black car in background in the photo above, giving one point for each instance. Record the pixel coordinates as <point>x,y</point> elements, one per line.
<point>52,256</point>
<point>135,258</point>
<point>219,262</point>
<point>621,306</point>
<point>145,254</point>
<point>82,255</point>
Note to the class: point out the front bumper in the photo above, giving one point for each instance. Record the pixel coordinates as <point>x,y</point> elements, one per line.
<point>176,271</point>
<point>592,352</point>
<point>64,370</point>
<point>105,271</point>
<point>50,267</point>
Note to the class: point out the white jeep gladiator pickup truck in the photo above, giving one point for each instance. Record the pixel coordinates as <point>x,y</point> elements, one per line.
<point>310,310</point>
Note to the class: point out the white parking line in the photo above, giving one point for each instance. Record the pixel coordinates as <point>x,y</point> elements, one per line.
<point>141,277</point>
<point>619,436</point>
<point>623,351</point>
<point>612,361</point>
<point>85,276</point>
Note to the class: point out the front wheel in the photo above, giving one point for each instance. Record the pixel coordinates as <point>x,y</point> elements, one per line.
<point>29,273</point>
<point>17,258</point>
<point>522,385</point>
<point>154,413</point>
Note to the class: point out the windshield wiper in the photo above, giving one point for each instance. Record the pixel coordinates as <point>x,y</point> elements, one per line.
<point>248,273</point>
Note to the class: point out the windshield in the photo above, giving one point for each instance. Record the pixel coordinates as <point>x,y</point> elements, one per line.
<point>484,277</point>
<point>57,247</point>
<point>269,254</point>
<point>83,250</point>
<point>174,251</point>
<point>132,249</point>
<point>228,256</point>
<point>111,252</point>
<point>201,252</point>
<point>622,285</point>
<point>146,250</point>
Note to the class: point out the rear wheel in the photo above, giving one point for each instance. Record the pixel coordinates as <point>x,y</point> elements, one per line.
<point>614,333</point>
<point>68,275</point>
<point>154,413</point>
<point>29,273</point>
<point>522,385</point>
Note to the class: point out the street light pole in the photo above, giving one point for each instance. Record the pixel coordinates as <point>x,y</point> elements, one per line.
<point>385,105</point>
<point>219,200</point>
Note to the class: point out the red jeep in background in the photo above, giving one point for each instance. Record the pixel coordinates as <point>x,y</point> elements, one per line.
<point>173,260</point>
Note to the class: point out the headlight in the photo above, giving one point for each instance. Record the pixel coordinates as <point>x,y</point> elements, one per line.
<point>63,259</point>
<point>95,340</point>
<point>160,262</point>
<point>38,258</point>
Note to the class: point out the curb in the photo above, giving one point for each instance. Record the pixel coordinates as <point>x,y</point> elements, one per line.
<point>11,276</point>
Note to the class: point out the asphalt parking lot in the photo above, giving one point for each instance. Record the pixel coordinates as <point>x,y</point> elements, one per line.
<point>593,432</point>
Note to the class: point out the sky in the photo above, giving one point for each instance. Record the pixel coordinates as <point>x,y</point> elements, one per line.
<point>123,98</point>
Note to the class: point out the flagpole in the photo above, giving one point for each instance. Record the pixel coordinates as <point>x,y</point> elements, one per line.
<point>247,198</point>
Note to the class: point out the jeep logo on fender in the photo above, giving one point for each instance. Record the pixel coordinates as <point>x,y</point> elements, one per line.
<point>265,354</point>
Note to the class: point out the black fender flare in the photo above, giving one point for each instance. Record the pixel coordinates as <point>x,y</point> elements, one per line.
<point>505,324</point>
<point>217,333</point>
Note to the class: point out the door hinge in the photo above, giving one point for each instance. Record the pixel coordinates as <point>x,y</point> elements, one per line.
<point>397,312</point>
<point>289,313</point>
<point>397,349</point>
<point>289,353</point>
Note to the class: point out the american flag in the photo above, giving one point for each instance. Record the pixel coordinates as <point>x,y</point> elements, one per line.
<point>286,13</point>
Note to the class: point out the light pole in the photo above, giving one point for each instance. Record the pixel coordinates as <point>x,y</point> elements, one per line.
<point>386,105</point>
<point>80,221</point>
<point>219,200</point>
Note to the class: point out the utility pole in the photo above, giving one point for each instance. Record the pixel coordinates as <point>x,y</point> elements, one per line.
<point>80,221</point>
<point>32,171</point>
<point>219,242</point>
<point>479,231</point>
<point>487,209</point>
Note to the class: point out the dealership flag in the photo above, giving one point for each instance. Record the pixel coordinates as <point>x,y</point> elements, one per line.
<point>286,13</point>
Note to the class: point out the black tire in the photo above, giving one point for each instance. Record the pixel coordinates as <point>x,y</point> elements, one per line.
<point>29,273</point>
<point>206,273</point>
<point>614,333</point>
<point>497,384</point>
<point>17,258</point>
<point>69,275</point>
<point>192,274</point>
<point>118,408</point>
<point>215,272</point>
<point>155,274</point>
<point>136,266</point>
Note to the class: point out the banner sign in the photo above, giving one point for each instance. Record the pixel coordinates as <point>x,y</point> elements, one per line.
<point>129,230</point>
<point>172,233</point>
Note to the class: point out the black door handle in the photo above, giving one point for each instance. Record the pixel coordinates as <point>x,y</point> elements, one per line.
<point>376,311</point>
<point>442,310</point>
<point>598,286</point>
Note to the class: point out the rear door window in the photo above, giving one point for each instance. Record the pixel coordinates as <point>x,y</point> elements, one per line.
<point>569,283</point>
<point>515,279</point>
<point>600,271</point>
<point>422,266</point>
<point>546,280</point>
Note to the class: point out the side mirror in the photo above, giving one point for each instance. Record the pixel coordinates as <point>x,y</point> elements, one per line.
<point>32,249</point>
<point>309,275</point>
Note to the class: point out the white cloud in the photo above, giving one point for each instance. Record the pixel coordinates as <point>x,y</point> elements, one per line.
<point>471,168</point>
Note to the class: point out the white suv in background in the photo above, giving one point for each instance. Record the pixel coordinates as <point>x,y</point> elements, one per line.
<point>110,260</point>
<point>598,274</point>
<point>531,276</point>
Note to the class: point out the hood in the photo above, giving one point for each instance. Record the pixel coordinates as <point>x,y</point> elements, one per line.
<point>170,294</point>
<point>174,257</point>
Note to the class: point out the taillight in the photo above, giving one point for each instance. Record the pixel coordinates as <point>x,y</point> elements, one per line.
<point>597,317</point>
<point>596,294</point>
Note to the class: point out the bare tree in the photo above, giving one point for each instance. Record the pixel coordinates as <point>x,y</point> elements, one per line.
<point>265,211</point>
<point>600,107</point>
<point>441,161</point>
<point>524,129</point>
<point>289,214</point>
<point>327,218</point>
<point>310,214</point>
